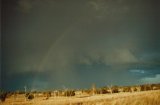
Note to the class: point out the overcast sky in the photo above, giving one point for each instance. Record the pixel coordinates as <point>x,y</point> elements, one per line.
<point>50,44</point>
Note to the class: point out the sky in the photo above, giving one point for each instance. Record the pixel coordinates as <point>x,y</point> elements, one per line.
<point>57,44</point>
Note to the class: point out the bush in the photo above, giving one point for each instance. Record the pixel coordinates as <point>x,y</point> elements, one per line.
<point>145,88</point>
<point>114,90</point>
<point>69,93</point>
<point>126,89</point>
<point>48,94</point>
<point>3,96</point>
<point>27,94</point>
<point>30,96</point>
<point>9,94</point>
<point>87,91</point>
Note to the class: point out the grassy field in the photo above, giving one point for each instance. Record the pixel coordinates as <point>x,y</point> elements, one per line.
<point>136,98</point>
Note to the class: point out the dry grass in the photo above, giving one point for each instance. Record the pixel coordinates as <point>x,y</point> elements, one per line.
<point>136,98</point>
<point>146,98</point>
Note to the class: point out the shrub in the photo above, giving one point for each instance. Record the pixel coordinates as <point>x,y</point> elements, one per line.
<point>69,93</point>
<point>87,91</point>
<point>145,87</point>
<point>126,89</point>
<point>48,94</point>
<point>114,89</point>
<point>3,96</point>
<point>30,96</point>
<point>27,94</point>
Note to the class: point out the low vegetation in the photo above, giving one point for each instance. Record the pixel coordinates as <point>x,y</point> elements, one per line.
<point>146,98</point>
<point>29,96</point>
<point>69,93</point>
<point>148,94</point>
<point>3,95</point>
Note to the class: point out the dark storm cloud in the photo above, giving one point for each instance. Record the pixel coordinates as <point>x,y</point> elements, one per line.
<point>75,40</point>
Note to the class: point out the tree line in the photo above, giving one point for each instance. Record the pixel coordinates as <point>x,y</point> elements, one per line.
<point>72,92</point>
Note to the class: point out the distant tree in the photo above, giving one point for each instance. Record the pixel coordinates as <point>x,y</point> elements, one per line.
<point>48,94</point>
<point>145,87</point>
<point>103,90</point>
<point>94,89</point>
<point>110,89</point>
<point>126,89</point>
<point>27,94</point>
<point>114,89</point>
<point>87,91</point>
<point>69,93</point>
